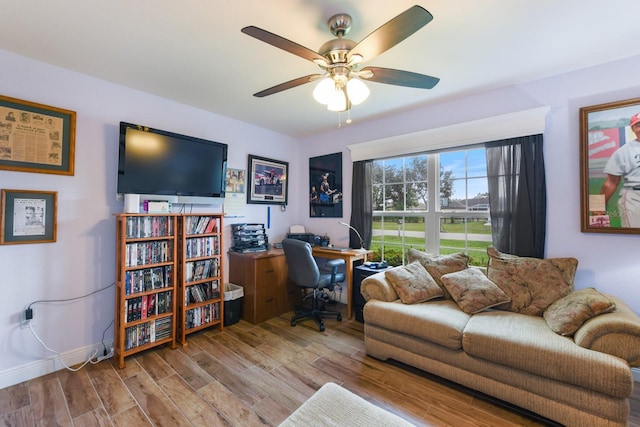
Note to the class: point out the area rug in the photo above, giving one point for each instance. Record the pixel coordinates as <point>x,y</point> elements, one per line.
<point>333,406</point>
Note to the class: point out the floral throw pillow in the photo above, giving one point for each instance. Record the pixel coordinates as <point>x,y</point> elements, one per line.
<point>439,265</point>
<point>533,284</point>
<point>566,315</point>
<point>413,283</point>
<point>473,291</point>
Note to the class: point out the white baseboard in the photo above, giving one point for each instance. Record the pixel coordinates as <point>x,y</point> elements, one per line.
<point>636,373</point>
<point>45,366</point>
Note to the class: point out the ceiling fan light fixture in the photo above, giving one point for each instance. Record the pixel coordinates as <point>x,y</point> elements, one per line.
<point>339,100</point>
<point>357,91</point>
<point>324,90</point>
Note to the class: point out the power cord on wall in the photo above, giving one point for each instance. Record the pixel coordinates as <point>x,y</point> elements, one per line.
<point>92,357</point>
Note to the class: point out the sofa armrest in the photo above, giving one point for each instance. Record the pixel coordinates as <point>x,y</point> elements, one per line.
<point>378,287</point>
<point>616,333</point>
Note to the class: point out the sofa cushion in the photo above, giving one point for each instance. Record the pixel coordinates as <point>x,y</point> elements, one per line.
<point>473,291</point>
<point>438,321</point>
<point>413,283</point>
<point>438,265</point>
<point>527,343</point>
<point>531,283</point>
<point>567,314</point>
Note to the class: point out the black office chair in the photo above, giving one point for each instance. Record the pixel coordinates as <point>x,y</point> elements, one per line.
<point>304,272</point>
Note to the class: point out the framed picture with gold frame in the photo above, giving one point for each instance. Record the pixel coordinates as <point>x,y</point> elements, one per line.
<point>36,137</point>
<point>610,167</point>
<point>28,216</point>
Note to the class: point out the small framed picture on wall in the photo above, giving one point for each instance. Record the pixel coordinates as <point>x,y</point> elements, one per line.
<point>28,216</point>
<point>267,181</point>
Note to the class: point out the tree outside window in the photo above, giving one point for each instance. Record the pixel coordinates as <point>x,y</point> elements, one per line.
<point>408,215</point>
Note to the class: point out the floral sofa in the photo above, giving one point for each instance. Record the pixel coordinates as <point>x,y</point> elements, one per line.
<point>518,332</point>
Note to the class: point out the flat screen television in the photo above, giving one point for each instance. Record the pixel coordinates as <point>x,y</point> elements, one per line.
<point>161,165</point>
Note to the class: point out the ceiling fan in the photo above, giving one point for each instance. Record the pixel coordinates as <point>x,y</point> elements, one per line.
<point>340,85</point>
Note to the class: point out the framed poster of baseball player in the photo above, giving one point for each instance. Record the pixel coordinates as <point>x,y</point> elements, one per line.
<point>610,167</point>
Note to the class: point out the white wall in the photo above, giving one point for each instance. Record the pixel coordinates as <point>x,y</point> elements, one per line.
<point>83,258</point>
<point>608,262</point>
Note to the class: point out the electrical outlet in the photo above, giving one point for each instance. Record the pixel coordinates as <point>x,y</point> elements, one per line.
<point>106,356</point>
<point>27,318</point>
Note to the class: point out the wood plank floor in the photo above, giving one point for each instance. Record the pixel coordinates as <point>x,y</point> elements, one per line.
<point>247,375</point>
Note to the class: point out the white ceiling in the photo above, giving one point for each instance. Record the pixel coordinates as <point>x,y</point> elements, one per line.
<point>192,51</point>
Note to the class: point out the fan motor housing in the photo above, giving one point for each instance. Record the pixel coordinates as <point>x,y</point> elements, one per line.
<point>336,50</point>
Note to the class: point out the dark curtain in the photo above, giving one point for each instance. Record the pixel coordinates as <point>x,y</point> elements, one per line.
<point>361,204</point>
<point>517,195</point>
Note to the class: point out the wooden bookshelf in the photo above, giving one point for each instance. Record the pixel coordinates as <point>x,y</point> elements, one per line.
<point>146,283</point>
<point>201,287</point>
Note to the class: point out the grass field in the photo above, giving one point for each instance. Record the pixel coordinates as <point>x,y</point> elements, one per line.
<point>477,250</point>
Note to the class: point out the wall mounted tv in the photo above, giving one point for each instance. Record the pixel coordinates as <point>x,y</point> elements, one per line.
<point>161,165</point>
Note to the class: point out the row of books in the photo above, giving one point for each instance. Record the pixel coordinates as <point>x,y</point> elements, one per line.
<point>144,253</point>
<point>202,315</point>
<point>137,281</point>
<point>147,306</point>
<point>201,225</point>
<point>202,246</point>
<point>203,269</point>
<point>145,333</point>
<point>149,226</point>
<point>202,292</point>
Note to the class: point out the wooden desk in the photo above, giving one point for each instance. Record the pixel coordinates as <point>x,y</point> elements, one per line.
<point>267,290</point>
<point>349,258</point>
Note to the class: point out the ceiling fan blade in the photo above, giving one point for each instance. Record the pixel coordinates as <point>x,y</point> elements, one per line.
<point>392,33</point>
<point>284,44</point>
<point>287,85</point>
<point>399,78</point>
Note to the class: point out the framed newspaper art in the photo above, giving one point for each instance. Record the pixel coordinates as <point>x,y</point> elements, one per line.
<point>268,183</point>
<point>610,167</point>
<point>27,216</point>
<point>36,138</point>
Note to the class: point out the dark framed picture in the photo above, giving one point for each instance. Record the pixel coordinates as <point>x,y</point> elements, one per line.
<point>36,138</point>
<point>28,216</point>
<point>325,186</point>
<point>267,181</point>
<point>610,167</point>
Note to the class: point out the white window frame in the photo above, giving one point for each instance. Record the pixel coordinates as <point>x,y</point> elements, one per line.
<point>433,215</point>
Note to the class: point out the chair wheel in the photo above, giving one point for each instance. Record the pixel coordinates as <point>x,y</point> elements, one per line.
<point>293,323</point>
<point>322,327</point>
<point>339,318</point>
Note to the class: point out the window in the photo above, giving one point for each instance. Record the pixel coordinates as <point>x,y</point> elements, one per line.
<point>444,212</point>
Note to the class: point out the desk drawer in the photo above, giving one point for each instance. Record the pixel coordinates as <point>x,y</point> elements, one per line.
<point>270,272</point>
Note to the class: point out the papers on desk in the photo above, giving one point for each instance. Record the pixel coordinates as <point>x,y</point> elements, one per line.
<point>335,248</point>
